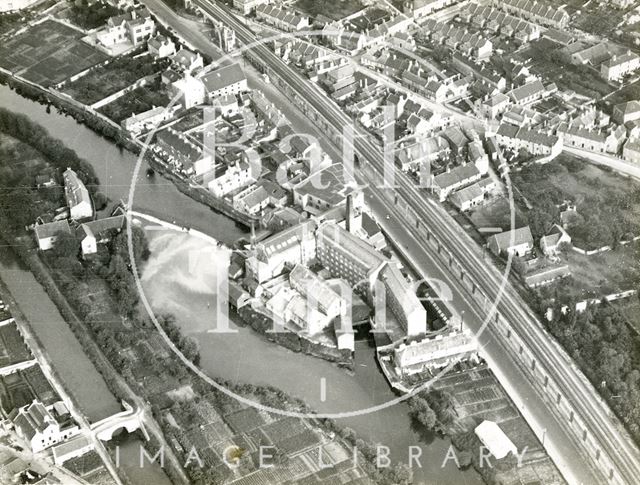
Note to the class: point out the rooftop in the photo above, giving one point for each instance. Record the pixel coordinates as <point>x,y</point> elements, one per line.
<point>223,77</point>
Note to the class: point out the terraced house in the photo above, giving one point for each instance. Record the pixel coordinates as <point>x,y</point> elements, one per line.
<point>289,21</point>
<point>542,13</point>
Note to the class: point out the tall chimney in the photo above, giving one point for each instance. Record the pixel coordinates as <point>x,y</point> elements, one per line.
<point>350,215</point>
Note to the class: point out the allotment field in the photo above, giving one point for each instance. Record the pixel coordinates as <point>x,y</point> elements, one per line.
<point>48,53</point>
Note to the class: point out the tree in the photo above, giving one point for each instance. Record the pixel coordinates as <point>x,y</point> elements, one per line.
<point>421,411</point>
<point>65,245</point>
<point>100,201</point>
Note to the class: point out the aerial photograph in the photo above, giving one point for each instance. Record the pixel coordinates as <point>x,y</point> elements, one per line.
<point>340,242</point>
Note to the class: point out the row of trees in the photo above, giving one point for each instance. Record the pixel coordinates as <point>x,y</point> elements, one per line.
<point>608,352</point>
<point>60,156</point>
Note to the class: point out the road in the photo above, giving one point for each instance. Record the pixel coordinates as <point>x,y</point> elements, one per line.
<point>552,360</point>
<point>615,163</point>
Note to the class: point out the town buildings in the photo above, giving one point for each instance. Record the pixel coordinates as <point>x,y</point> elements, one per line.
<point>536,142</point>
<point>422,8</point>
<point>326,189</point>
<point>43,427</point>
<point>186,61</point>
<point>140,122</point>
<point>132,27</point>
<point>433,353</point>
<point>541,12</point>
<point>225,80</point>
<point>619,66</point>
<point>248,6</point>
<point>160,46</point>
<point>453,179</point>
<point>626,112</point>
<point>287,20</point>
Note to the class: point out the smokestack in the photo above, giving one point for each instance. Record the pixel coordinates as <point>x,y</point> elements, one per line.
<point>349,218</point>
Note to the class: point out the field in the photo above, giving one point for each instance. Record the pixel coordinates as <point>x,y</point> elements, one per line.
<point>496,212</point>
<point>137,101</point>
<point>478,396</point>
<point>48,53</point>
<point>334,9</point>
<point>117,75</point>
<point>12,347</point>
<point>22,387</point>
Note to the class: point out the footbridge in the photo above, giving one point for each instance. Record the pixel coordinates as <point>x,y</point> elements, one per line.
<point>130,419</point>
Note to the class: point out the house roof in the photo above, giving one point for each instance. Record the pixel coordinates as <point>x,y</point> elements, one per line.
<point>456,176</point>
<point>223,77</point>
<point>467,194</point>
<point>528,90</point>
<point>520,236</point>
<point>184,57</point>
<point>33,419</point>
<point>495,439</point>
<point>45,231</point>
<point>255,197</point>
<point>331,184</point>
<point>158,41</point>
<point>312,286</point>
<point>74,189</point>
<point>94,228</point>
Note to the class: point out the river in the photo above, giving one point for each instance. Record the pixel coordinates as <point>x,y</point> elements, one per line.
<point>244,356</point>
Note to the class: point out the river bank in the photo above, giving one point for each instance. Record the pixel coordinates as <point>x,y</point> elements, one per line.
<point>244,356</point>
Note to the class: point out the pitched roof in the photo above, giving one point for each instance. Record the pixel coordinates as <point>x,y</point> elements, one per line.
<point>223,77</point>
<point>520,236</point>
<point>528,90</point>
<point>33,419</point>
<point>44,231</point>
<point>456,176</point>
<point>74,189</point>
<point>95,228</point>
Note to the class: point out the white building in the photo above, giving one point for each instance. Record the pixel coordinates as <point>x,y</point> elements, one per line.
<point>147,120</point>
<point>233,178</point>
<point>190,90</point>
<point>97,232</point>
<point>247,6</point>
<point>37,425</point>
<point>160,46</point>
<point>46,233</point>
<point>186,61</point>
<point>550,244</point>
<point>517,242</point>
<point>433,352</point>
<point>498,443</point>
<point>77,195</point>
<point>619,66</point>
<point>13,5</point>
<point>225,80</point>
<point>133,27</point>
